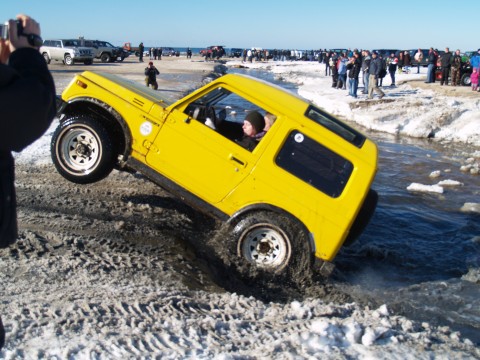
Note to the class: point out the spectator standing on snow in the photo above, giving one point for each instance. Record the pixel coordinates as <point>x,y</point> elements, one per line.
<point>383,71</point>
<point>326,61</point>
<point>342,72</point>
<point>27,100</point>
<point>392,62</point>
<point>455,68</point>
<point>418,59</point>
<point>407,61</point>
<point>374,73</point>
<point>474,79</point>
<point>445,63</point>
<point>432,63</point>
<point>333,68</point>
<point>354,67</point>
<point>400,62</point>
<point>366,59</point>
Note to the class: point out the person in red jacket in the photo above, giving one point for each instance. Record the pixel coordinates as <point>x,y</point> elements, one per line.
<point>27,102</point>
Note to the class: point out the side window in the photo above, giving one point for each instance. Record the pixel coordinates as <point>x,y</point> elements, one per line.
<point>315,164</point>
<point>226,112</point>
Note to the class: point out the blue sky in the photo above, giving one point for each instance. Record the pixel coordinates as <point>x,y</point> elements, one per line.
<point>302,24</point>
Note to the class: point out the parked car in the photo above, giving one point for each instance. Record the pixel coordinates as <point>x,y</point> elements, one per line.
<point>168,51</point>
<point>424,61</point>
<point>387,52</point>
<point>68,51</point>
<point>104,51</point>
<point>300,194</point>
<point>209,51</point>
<point>235,53</point>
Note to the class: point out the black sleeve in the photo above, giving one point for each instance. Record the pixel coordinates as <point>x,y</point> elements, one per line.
<point>27,99</point>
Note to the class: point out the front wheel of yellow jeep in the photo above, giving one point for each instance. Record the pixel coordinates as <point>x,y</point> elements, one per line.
<point>269,246</point>
<point>82,150</point>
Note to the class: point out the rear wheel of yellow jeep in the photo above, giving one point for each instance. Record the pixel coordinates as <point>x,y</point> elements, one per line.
<point>82,150</point>
<point>268,246</point>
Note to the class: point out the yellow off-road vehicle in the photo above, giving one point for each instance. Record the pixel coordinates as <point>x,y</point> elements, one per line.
<point>300,194</point>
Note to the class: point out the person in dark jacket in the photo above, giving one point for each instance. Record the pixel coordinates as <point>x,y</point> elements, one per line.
<point>141,48</point>
<point>151,73</point>
<point>456,67</point>
<point>445,63</point>
<point>432,64</point>
<point>374,74</point>
<point>254,124</point>
<point>27,100</point>
<point>354,67</point>
<point>392,62</point>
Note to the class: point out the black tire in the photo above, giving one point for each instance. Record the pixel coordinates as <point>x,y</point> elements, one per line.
<point>47,59</point>
<point>82,150</point>
<point>68,60</point>
<point>269,246</point>
<point>105,57</point>
<point>465,80</point>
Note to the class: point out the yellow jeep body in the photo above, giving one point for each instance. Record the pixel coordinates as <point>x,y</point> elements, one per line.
<point>309,166</point>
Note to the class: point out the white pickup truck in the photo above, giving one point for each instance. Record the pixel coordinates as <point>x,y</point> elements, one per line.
<point>68,51</point>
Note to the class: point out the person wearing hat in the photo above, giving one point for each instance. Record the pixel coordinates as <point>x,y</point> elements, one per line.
<point>151,73</point>
<point>253,124</point>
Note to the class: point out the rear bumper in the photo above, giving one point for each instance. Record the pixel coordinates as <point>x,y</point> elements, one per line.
<point>363,217</point>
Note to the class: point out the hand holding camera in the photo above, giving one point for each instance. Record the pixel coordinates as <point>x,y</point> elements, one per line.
<point>21,33</point>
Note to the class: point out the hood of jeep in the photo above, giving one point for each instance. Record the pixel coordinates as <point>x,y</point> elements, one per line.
<point>124,87</point>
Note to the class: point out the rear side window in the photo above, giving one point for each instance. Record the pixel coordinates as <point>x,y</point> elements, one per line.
<point>328,121</point>
<point>313,163</point>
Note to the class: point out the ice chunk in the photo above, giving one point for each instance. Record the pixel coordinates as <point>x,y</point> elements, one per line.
<point>435,174</point>
<point>449,182</point>
<point>470,207</point>
<point>425,188</point>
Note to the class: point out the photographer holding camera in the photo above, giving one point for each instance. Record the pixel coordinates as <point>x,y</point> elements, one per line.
<point>27,103</point>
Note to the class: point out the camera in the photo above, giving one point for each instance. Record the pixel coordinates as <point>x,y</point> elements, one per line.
<point>4,29</point>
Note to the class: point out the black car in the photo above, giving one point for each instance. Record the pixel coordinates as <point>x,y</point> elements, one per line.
<point>235,53</point>
<point>168,51</point>
<point>424,61</point>
<point>386,52</point>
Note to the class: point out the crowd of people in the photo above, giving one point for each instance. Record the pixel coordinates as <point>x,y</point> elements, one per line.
<point>442,66</point>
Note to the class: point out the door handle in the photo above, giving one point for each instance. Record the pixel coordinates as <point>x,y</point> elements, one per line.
<point>237,160</point>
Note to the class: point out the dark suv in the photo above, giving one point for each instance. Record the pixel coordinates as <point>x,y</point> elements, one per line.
<point>424,61</point>
<point>235,53</point>
<point>104,51</point>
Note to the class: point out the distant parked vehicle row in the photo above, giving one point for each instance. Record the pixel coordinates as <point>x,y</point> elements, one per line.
<point>71,51</point>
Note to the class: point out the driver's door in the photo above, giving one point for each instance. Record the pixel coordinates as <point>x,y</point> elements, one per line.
<point>198,158</point>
